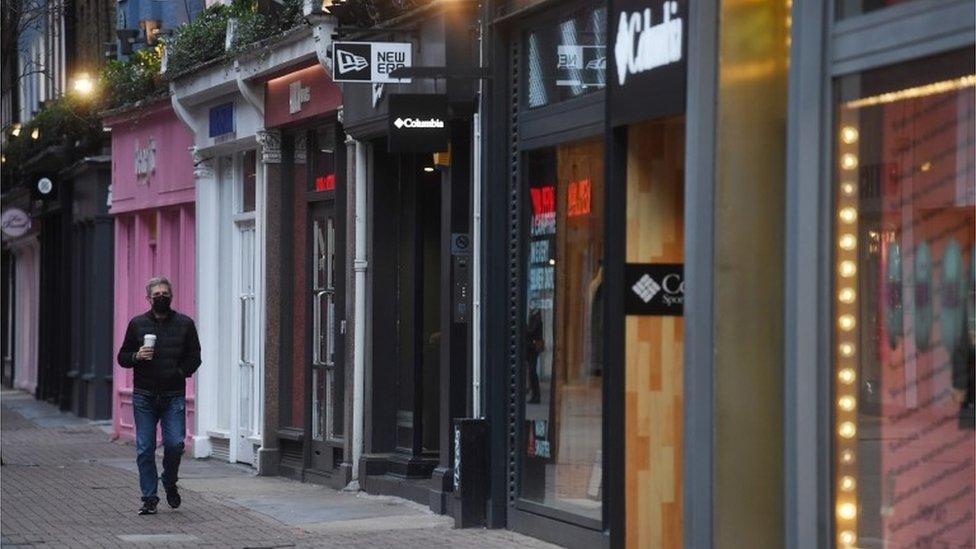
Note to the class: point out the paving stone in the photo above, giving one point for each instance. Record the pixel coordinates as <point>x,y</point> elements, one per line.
<point>67,484</point>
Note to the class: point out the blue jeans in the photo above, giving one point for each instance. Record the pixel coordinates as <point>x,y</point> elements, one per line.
<point>169,411</point>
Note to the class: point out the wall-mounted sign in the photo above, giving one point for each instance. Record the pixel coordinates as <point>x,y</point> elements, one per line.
<point>222,120</point>
<point>300,95</point>
<point>145,158</point>
<point>654,289</point>
<point>15,222</point>
<point>297,96</point>
<point>649,68</point>
<point>581,66</point>
<point>370,61</point>
<point>418,123</point>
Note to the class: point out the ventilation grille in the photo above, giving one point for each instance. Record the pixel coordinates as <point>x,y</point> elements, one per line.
<point>220,448</point>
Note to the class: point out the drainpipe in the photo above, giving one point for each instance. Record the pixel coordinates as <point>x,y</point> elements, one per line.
<point>359,328</point>
<point>476,241</point>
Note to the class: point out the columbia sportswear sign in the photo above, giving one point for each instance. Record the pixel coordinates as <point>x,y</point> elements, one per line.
<point>649,59</point>
<point>418,123</point>
<point>655,289</point>
<point>370,61</point>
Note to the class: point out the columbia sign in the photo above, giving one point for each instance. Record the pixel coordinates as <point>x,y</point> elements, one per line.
<point>642,45</point>
<point>370,61</point>
<point>418,123</point>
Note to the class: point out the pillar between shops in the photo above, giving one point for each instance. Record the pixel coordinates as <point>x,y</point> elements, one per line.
<point>269,455</point>
<point>207,304</point>
<point>748,274</point>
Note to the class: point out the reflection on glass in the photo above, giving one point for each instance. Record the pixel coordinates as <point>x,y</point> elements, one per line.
<point>563,331</point>
<point>904,275</point>
<point>567,59</point>
<point>323,160</point>
<point>250,181</point>
<point>847,8</point>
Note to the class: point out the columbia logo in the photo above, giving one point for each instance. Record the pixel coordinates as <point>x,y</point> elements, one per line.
<point>350,62</point>
<point>646,288</point>
<point>399,123</point>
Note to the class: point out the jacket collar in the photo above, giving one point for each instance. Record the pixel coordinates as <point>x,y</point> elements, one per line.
<point>152,316</point>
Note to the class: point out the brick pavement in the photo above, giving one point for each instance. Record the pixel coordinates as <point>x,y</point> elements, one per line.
<point>59,488</point>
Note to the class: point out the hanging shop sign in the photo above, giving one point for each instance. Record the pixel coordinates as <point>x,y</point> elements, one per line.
<point>418,123</point>
<point>15,222</point>
<point>648,77</point>
<point>654,289</point>
<point>370,61</point>
<point>222,122</point>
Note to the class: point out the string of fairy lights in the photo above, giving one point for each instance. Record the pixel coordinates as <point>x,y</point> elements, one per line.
<point>845,252</point>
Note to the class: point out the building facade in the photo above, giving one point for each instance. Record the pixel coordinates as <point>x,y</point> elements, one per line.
<point>153,204</point>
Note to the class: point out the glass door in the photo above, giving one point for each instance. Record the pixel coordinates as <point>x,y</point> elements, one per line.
<point>326,386</point>
<point>245,431</point>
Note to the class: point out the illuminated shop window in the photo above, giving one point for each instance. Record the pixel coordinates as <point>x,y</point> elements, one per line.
<point>904,319</point>
<point>563,331</point>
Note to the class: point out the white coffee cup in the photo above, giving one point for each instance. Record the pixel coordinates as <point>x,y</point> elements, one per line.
<point>149,340</point>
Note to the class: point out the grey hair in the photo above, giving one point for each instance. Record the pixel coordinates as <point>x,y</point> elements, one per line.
<point>156,281</point>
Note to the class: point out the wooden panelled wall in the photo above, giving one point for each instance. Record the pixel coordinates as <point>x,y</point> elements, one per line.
<point>654,344</point>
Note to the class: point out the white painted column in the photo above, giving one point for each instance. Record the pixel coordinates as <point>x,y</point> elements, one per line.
<point>208,303</point>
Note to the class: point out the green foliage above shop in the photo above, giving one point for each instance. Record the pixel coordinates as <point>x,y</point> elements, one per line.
<point>206,38</point>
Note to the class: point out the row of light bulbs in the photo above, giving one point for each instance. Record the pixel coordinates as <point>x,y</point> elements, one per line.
<point>846,389</point>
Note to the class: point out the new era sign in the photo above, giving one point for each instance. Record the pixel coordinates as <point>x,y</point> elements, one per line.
<point>654,289</point>
<point>370,61</point>
<point>418,123</point>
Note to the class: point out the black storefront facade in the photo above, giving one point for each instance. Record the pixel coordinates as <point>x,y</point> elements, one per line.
<point>76,287</point>
<point>616,238</point>
<point>417,261</point>
<point>92,285</point>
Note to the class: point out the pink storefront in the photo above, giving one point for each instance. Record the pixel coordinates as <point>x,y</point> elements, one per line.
<point>152,201</point>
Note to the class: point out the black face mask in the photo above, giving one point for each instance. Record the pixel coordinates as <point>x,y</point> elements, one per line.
<point>160,304</point>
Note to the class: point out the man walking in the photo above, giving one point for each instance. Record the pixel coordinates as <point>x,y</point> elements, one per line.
<point>162,347</point>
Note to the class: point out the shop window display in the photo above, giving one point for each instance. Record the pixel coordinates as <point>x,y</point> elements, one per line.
<point>562,347</point>
<point>904,325</point>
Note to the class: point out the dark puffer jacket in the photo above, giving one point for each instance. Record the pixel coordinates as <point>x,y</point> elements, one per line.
<point>177,354</point>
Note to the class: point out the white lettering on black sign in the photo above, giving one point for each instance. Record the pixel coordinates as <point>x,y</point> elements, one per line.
<point>642,46</point>
<point>654,289</point>
<point>371,61</point>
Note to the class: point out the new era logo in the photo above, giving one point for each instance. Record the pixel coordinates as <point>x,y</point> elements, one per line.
<point>646,288</point>
<point>348,62</point>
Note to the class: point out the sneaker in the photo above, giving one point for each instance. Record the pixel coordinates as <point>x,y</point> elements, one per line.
<point>173,497</point>
<point>148,508</point>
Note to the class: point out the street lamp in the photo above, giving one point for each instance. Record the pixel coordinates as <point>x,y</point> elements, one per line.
<point>83,84</point>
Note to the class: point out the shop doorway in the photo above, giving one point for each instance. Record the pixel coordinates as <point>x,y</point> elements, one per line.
<point>325,364</point>
<point>238,410</point>
<point>407,245</point>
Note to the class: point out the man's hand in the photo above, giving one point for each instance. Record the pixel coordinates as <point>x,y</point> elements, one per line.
<point>144,353</point>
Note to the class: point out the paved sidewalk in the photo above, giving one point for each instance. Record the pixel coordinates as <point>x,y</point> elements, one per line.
<point>64,483</point>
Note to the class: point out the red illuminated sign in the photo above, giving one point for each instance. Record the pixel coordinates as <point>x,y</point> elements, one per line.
<point>325,182</point>
<point>579,198</point>
<point>543,200</point>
